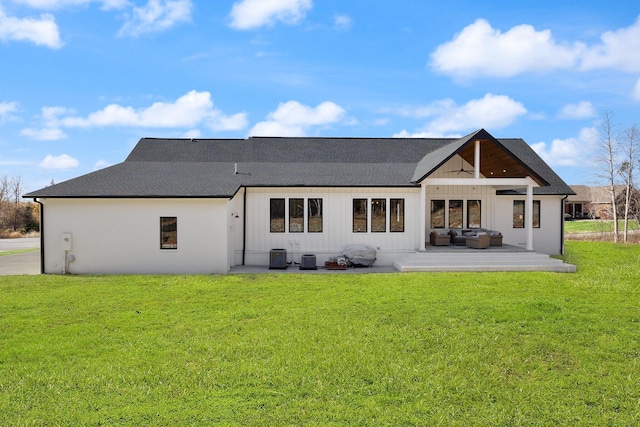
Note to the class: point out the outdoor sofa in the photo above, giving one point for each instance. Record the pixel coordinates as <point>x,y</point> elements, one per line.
<point>439,238</point>
<point>459,235</point>
<point>479,241</point>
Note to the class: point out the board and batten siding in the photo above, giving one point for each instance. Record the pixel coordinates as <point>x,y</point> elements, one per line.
<point>337,205</point>
<point>548,238</point>
<point>485,194</point>
<point>122,236</point>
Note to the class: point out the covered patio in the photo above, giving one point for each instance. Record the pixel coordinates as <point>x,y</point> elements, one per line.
<point>491,167</point>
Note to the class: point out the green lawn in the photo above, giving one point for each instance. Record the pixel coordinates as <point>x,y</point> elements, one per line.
<point>18,251</point>
<point>463,349</point>
<point>596,226</point>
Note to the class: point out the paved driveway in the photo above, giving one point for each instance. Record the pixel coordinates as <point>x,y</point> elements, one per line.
<point>24,263</point>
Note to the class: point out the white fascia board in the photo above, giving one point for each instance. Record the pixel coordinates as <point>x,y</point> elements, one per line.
<point>498,183</point>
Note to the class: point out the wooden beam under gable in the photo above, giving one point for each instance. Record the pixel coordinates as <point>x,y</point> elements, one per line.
<point>497,162</point>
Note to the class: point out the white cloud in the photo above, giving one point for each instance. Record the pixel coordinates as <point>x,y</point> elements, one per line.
<point>292,118</point>
<point>44,134</point>
<point>249,14</point>
<point>236,122</point>
<point>635,94</point>
<point>59,4</point>
<point>6,110</point>
<point>271,128</point>
<point>491,112</point>
<point>405,134</point>
<point>63,161</point>
<point>188,111</point>
<point>581,110</point>
<point>294,113</point>
<point>101,164</point>
<point>51,129</point>
<point>480,50</point>
<point>157,15</point>
<point>342,22</point>
<point>42,31</point>
<point>619,50</point>
<point>568,152</point>
<point>51,114</point>
<point>192,133</point>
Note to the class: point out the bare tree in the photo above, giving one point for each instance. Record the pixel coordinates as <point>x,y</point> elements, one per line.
<point>627,168</point>
<point>17,189</point>
<point>4,202</point>
<point>609,167</point>
<point>16,214</point>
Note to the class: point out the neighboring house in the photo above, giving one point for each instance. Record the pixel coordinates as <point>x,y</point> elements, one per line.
<point>591,202</point>
<point>206,205</point>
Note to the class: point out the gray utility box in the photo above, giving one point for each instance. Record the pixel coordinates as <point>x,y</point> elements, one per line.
<point>278,259</point>
<point>308,262</point>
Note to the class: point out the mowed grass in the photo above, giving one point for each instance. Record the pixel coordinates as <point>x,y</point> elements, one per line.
<point>18,251</point>
<point>344,349</point>
<point>596,226</point>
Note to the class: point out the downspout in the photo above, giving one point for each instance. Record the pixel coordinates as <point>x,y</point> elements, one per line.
<point>562,224</point>
<point>41,234</point>
<point>244,224</point>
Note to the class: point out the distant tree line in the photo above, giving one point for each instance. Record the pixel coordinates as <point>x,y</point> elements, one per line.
<point>16,215</point>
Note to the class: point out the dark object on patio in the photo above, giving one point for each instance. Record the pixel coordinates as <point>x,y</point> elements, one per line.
<point>481,241</point>
<point>332,265</point>
<point>308,262</point>
<point>360,255</point>
<point>278,259</point>
<point>495,239</point>
<point>439,238</point>
<point>459,235</point>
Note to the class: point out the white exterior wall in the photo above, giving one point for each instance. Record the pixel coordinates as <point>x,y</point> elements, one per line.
<point>337,205</point>
<point>123,235</point>
<point>486,195</point>
<point>547,238</point>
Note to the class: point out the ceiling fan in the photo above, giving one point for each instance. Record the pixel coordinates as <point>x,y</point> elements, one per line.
<point>462,169</point>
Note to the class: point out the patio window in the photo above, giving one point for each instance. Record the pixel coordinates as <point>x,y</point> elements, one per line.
<point>396,215</point>
<point>314,210</point>
<point>296,215</point>
<point>455,213</point>
<point>359,215</point>
<point>276,216</point>
<point>518,214</point>
<point>168,232</point>
<point>378,215</point>
<point>437,213</point>
<point>473,213</point>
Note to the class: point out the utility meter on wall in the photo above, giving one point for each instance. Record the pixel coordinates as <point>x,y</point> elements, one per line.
<point>67,241</point>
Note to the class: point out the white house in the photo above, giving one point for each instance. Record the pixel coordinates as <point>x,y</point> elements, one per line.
<point>206,205</point>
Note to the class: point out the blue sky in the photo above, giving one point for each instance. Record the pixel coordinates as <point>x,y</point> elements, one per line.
<point>83,80</point>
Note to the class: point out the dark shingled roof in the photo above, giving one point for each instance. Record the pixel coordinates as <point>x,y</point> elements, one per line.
<point>206,167</point>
